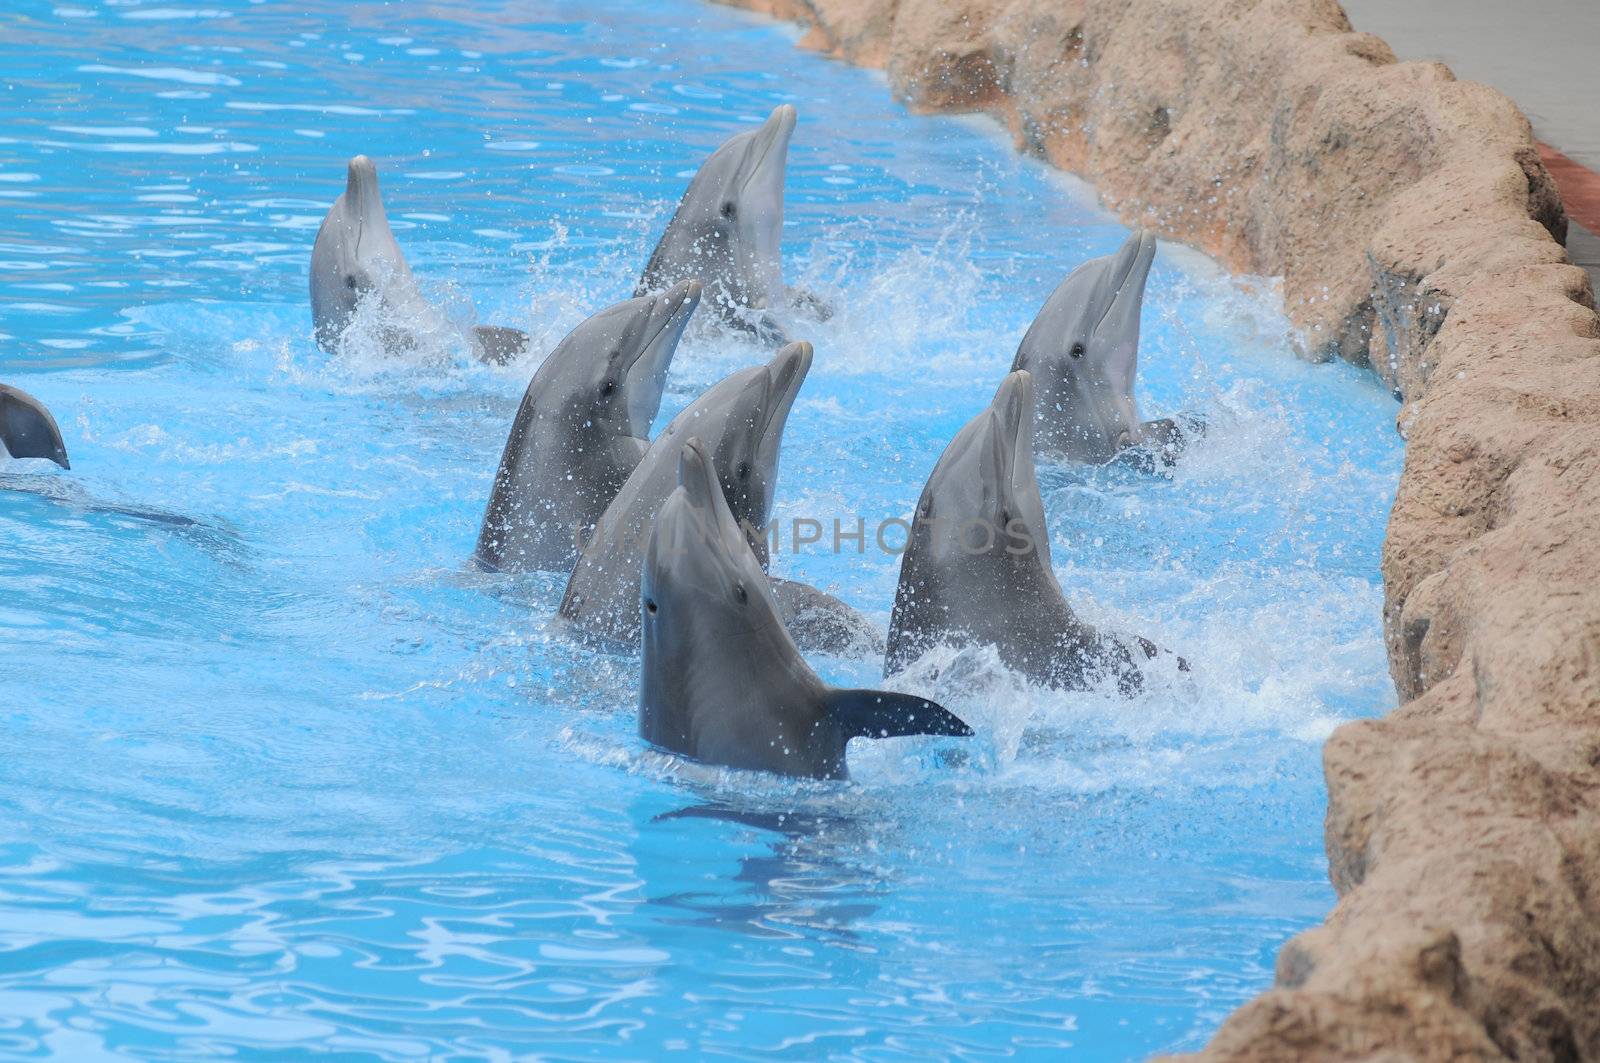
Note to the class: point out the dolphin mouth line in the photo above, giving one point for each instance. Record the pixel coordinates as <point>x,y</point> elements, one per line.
<point>781,133</point>
<point>1011,425</point>
<point>1127,270</point>
<point>1010,454</point>
<point>782,398</point>
<point>681,313</point>
<point>1014,436</point>
<point>366,199</point>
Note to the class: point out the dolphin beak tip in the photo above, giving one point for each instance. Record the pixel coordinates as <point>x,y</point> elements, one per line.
<point>1147,245</point>
<point>1015,397</point>
<point>1022,387</point>
<point>361,174</point>
<point>798,360</point>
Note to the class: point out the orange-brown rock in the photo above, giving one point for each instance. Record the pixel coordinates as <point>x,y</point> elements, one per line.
<point>1417,232</point>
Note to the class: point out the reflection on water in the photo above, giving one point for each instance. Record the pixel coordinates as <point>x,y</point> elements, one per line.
<point>803,881</point>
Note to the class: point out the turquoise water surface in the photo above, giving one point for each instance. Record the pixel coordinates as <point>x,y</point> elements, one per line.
<point>286,775</point>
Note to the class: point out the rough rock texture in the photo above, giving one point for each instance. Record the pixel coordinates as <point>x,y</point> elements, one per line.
<point>1417,232</point>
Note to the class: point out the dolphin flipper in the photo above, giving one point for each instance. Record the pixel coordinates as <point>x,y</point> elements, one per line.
<point>819,622</point>
<point>1165,441</point>
<point>810,303</point>
<point>887,714</point>
<point>769,332</point>
<point>497,344</point>
<point>28,430</point>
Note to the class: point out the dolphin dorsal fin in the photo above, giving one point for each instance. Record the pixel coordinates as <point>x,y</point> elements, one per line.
<point>887,714</point>
<point>27,429</point>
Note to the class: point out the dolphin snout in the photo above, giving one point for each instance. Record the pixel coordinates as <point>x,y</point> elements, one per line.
<point>785,373</point>
<point>694,514</point>
<point>772,139</point>
<point>684,293</point>
<point>669,312</point>
<point>783,118</point>
<point>696,475</point>
<point>1132,260</point>
<point>361,176</point>
<point>1014,401</point>
<point>789,366</point>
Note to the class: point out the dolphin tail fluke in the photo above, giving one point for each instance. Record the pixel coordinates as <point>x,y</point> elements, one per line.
<point>28,430</point>
<point>886,714</point>
<point>497,344</point>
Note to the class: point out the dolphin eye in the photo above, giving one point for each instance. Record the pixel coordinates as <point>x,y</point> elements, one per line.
<point>650,606</point>
<point>729,209</point>
<point>1077,350</point>
<point>608,388</point>
<point>744,470</point>
<point>741,595</point>
<point>350,281</point>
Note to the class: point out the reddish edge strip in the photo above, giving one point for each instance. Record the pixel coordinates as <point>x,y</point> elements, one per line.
<point>1579,185</point>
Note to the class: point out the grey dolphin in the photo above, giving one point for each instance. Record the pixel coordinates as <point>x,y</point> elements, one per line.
<point>741,420</point>
<point>1083,352</point>
<point>27,430</point>
<point>356,254</point>
<point>728,230</point>
<point>583,425</point>
<point>721,680</point>
<point>977,567</point>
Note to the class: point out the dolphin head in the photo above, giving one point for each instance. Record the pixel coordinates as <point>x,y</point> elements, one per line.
<point>747,452</point>
<point>1084,349</point>
<point>983,495</point>
<point>355,250</point>
<point>742,182</point>
<point>611,370</point>
<point>699,572</point>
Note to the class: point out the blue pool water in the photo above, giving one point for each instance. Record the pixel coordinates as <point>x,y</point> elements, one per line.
<point>295,778</point>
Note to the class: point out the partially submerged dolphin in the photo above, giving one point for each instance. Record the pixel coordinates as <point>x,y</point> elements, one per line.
<point>976,570</point>
<point>1083,352</point>
<point>740,421</point>
<point>582,428</point>
<point>27,429</point>
<point>722,681</point>
<point>728,231</point>
<point>357,255</point>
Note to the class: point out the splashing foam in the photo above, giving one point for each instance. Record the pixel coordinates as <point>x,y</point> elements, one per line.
<point>396,327</point>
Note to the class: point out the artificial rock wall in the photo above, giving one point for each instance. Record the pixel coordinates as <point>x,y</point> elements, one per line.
<point>1417,233</point>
